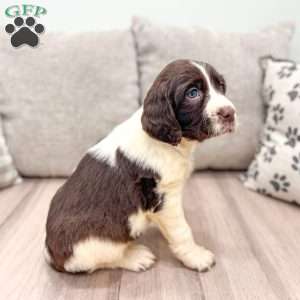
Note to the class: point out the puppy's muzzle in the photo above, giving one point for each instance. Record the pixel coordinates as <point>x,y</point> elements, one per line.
<point>226,117</point>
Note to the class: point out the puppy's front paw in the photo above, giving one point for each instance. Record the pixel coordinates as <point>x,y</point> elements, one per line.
<point>198,258</point>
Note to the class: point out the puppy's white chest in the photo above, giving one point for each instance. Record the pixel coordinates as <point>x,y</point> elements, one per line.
<point>177,170</point>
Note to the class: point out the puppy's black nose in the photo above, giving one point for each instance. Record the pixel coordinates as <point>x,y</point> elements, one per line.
<point>226,113</point>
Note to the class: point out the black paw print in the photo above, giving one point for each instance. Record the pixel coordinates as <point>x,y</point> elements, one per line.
<point>280,183</point>
<point>295,92</point>
<point>287,70</point>
<point>296,163</point>
<point>253,171</point>
<point>292,136</point>
<point>267,135</point>
<point>268,93</point>
<point>25,33</point>
<point>278,113</point>
<point>263,191</point>
<point>269,153</point>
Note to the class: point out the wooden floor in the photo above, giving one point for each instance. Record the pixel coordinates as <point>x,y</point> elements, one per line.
<point>256,241</point>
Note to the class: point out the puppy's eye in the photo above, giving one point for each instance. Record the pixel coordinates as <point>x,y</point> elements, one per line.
<point>221,84</point>
<point>193,93</point>
<point>223,87</point>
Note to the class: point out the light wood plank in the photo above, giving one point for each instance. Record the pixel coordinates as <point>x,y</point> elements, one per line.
<point>273,229</point>
<point>168,279</point>
<point>256,241</point>
<point>238,274</point>
<point>11,197</point>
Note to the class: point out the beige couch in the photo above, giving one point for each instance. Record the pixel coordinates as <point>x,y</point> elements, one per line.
<point>59,99</point>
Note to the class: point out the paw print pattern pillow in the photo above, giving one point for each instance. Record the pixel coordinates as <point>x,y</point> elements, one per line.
<point>275,171</point>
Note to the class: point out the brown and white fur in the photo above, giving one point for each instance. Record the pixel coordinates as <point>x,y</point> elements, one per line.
<point>135,177</point>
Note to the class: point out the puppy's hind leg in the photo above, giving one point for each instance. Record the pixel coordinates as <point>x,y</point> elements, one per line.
<point>94,253</point>
<point>137,258</point>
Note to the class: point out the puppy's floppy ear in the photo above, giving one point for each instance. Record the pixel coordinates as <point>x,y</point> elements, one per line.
<point>158,118</point>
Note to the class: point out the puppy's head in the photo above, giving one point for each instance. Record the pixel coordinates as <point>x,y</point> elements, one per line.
<point>187,99</point>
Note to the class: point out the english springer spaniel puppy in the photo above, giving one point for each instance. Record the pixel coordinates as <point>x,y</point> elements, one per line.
<point>135,177</point>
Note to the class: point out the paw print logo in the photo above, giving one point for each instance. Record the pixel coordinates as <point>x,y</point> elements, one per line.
<point>295,92</point>
<point>287,70</point>
<point>269,153</point>
<point>24,33</point>
<point>296,163</point>
<point>292,136</point>
<point>280,183</point>
<point>278,113</point>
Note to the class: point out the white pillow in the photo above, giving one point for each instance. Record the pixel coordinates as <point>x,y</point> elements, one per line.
<point>275,171</point>
<point>8,173</point>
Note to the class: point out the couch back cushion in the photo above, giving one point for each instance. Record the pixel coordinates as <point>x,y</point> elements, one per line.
<point>65,95</point>
<point>235,55</point>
